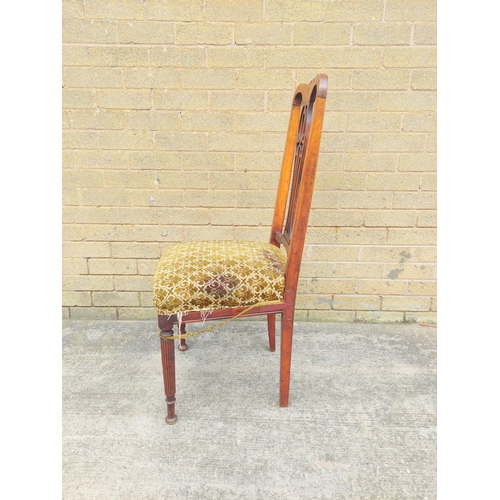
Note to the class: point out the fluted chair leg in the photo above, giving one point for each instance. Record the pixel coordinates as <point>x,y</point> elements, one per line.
<point>168,364</point>
<point>271,330</point>
<point>286,358</point>
<point>182,344</point>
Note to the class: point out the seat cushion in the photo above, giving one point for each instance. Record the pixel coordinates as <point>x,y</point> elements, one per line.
<point>209,275</point>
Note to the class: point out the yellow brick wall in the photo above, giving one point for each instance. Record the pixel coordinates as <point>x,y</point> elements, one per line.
<point>174,117</point>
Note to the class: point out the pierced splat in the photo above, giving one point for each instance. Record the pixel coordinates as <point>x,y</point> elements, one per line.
<point>298,164</point>
<point>298,172</point>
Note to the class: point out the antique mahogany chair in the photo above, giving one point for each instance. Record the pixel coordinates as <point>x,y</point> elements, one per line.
<point>204,280</point>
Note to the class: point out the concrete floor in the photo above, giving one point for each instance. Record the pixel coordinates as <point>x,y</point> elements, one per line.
<point>361,423</point>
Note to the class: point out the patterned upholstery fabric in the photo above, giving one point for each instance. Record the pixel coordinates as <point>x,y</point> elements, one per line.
<point>209,275</point>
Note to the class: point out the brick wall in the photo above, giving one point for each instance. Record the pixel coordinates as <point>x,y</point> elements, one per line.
<point>175,115</point>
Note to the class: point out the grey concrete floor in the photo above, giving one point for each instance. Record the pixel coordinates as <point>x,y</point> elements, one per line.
<point>361,423</point>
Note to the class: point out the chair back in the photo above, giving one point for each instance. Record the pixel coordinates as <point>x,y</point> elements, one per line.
<point>298,172</point>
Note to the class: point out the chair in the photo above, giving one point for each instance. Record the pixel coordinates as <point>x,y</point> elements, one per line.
<point>208,280</point>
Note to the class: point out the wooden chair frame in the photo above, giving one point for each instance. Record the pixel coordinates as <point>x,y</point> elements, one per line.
<point>295,191</point>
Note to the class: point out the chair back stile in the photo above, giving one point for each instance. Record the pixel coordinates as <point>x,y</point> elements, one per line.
<point>298,174</point>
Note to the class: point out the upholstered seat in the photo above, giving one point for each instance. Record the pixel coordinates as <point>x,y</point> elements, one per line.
<point>211,275</point>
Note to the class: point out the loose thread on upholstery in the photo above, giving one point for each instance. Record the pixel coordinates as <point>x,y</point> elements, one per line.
<point>205,330</point>
<point>205,314</point>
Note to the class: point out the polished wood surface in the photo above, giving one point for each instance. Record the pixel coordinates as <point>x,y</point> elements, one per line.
<point>168,365</point>
<point>271,331</point>
<point>288,229</point>
<point>182,342</point>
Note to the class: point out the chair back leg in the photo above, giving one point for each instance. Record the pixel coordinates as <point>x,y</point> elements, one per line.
<point>286,357</point>
<point>271,330</point>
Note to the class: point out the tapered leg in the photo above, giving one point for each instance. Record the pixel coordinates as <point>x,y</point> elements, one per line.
<point>168,364</point>
<point>182,344</point>
<point>286,358</point>
<point>271,330</point>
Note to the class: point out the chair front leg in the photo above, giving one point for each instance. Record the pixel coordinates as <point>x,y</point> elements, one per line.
<point>168,364</point>
<point>182,344</point>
